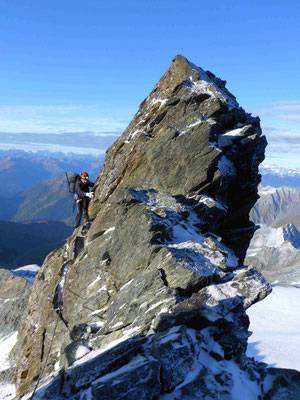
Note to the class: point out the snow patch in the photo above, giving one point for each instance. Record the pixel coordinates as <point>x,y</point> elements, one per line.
<point>228,138</point>
<point>275,323</point>
<point>6,345</point>
<point>109,230</point>
<point>210,86</point>
<point>81,351</point>
<point>27,272</point>
<point>226,167</point>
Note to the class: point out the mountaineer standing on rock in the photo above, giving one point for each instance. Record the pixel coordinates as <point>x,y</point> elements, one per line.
<point>84,196</point>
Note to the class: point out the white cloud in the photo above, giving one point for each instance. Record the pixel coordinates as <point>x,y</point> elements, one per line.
<point>290,117</point>
<point>56,118</point>
<point>35,147</point>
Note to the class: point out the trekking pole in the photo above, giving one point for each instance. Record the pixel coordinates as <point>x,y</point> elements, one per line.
<point>67,177</point>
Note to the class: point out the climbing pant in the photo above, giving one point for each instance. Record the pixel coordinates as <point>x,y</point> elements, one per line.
<point>82,206</point>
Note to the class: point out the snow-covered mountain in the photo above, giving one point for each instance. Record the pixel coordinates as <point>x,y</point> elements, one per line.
<point>277,206</point>
<point>274,248</point>
<point>276,253</point>
<point>27,272</point>
<point>278,176</point>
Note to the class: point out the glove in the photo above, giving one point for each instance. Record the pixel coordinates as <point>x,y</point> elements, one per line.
<point>89,195</point>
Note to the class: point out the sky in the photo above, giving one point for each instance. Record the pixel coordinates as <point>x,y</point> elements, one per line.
<point>71,68</point>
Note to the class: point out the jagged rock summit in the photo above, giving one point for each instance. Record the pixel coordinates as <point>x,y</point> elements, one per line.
<point>149,302</point>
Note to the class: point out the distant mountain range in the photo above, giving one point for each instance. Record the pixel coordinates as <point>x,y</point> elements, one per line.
<point>275,247</point>
<point>35,184</point>
<point>29,243</point>
<point>23,170</point>
<point>47,200</point>
<point>275,252</point>
<point>276,176</point>
<point>277,206</point>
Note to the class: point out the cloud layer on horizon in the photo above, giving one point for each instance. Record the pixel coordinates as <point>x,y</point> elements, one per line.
<point>281,125</point>
<point>76,142</point>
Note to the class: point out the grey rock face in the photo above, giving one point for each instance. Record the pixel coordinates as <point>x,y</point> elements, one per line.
<point>155,288</point>
<point>139,380</point>
<point>14,296</point>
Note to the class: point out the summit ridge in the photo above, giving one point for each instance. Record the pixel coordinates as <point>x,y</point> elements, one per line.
<point>149,302</point>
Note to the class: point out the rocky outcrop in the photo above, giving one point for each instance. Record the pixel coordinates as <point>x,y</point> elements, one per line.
<point>150,301</point>
<point>14,296</point>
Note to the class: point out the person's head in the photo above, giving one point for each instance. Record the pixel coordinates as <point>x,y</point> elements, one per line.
<point>84,176</point>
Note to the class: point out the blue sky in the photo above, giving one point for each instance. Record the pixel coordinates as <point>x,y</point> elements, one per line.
<point>70,66</point>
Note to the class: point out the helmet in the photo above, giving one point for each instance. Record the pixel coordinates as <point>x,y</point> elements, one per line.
<point>84,175</point>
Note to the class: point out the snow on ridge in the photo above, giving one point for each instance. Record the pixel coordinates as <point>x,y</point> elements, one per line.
<point>30,267</point>
<point>210,86</point>
<point>27,272</point>
<point>268,236</point>
<point>266,190</point>
<point>187,240</point>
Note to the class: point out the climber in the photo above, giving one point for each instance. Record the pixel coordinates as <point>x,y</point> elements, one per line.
<point>83,197</point>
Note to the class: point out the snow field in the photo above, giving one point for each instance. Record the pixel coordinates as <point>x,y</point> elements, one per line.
<point>275,323</point>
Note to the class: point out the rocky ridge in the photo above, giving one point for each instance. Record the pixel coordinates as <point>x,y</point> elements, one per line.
<point>14,296</point>
<point>149,302</point>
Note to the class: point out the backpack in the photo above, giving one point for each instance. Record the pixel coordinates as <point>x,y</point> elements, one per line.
<point>71,179</point>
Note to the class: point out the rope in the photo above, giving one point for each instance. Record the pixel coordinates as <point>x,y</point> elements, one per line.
<point>45,363</point>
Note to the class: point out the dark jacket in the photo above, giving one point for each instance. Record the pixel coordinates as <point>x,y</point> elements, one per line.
<point>81,188</point>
